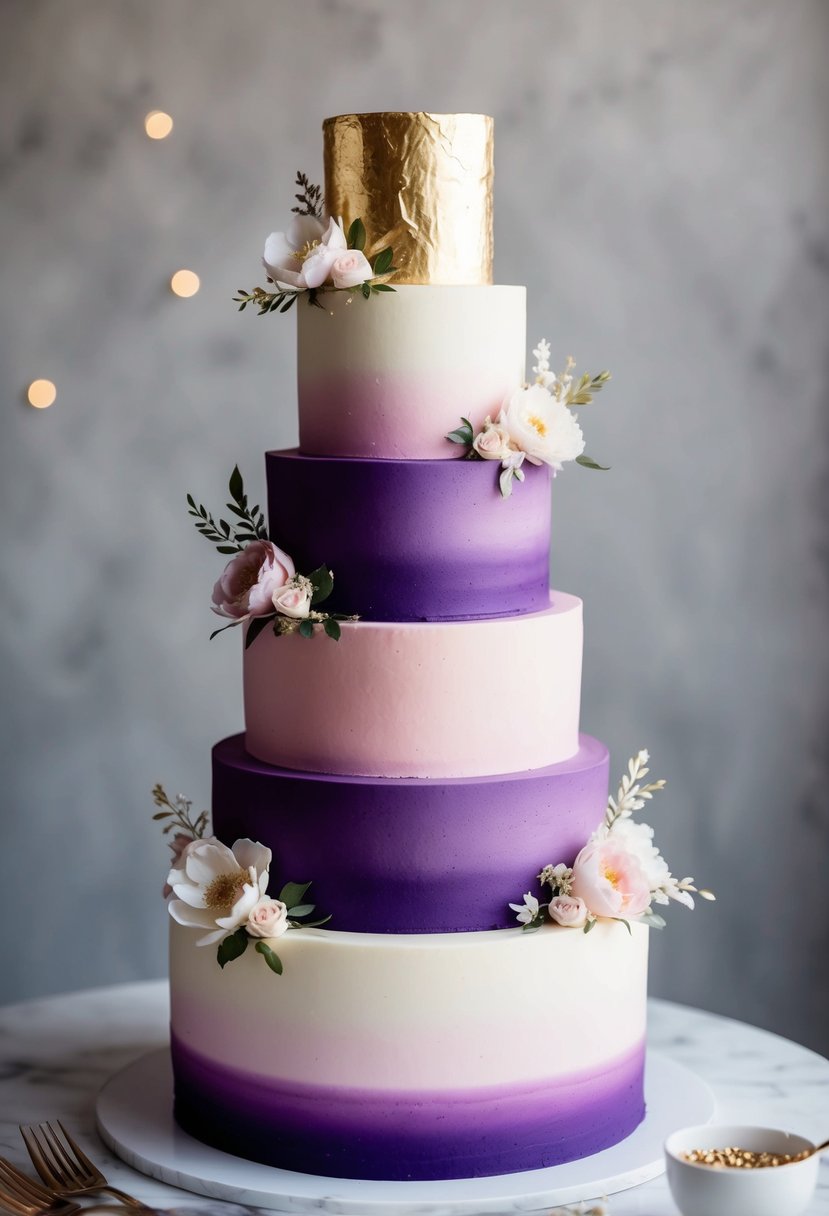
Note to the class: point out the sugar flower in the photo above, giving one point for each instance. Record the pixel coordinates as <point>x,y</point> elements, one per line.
<point>294,599</point>
<point>219,887</point>
<point>528,911</point>
<point>493,442</point>
<point>308,254</point>
<point>559,877</point>
<point>568,910</point>
<point>542,427</point>
<point>269,918</point>
<point>250,579</point>
<point>610,880</point>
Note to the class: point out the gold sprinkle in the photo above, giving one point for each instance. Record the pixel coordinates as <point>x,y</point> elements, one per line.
<point>742,1158</point>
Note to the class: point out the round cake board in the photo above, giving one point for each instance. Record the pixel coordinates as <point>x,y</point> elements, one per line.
<point>135,1120</point>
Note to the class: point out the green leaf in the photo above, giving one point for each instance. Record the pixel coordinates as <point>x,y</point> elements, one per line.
<point>273,960</point>
<point>462,434</point>
<point>356,238</point>
<point>587,463</point>
<point>306,629</point>
<point>366,290</point>
<point>302,910</point>
<point>258,623</point>
<point>322,580</point>
<point>292,893</point>
<point>232,947</point>
<point>236,486</point>
<point>624,922</point>
<point>382,287</point>
<point>332,629</point>
<point>191,503</point>
<point>216,632</point>
<point>227,548</point>
<point>289,303</point>
<point>590,924</point>
<point>383,261</point>
<point>162,815</point>
<point>314,924</point>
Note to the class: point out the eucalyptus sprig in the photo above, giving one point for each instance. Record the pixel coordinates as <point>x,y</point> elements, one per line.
<point>581,392</point>
<point>292,895</point>
<point>177,810</point>
<point>230,538</point>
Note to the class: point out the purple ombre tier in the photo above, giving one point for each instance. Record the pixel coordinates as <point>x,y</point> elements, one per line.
<point>408,1135</point>
<point>414,540</point>
<point>411,855</point>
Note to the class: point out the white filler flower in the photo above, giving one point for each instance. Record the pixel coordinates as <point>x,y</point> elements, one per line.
<point>528,911</point>
<point>219,887</point>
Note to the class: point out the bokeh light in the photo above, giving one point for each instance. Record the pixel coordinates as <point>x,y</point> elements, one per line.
<point>185,283</point>
<point>41,394</point>
<point>158,125</point>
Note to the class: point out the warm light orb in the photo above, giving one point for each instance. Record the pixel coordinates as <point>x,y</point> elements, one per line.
<point>41,394</point>
<point>158,125</point>
<point>184,283</point>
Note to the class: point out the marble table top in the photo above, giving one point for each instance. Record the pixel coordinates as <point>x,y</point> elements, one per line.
<point>55,1054</point>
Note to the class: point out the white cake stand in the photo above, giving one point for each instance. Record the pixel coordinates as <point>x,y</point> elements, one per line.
<point>134,1111</point>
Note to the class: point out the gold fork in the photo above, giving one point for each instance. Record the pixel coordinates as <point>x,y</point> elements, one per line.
<point>22,1196</point>
<point>65,1167</point>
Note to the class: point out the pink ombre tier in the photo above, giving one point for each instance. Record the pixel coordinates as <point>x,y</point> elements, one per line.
<point>366,1036</point>
<point>389,377</point>
<point>429,699</point>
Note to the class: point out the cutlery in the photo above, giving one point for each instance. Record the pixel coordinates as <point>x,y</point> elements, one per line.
<point>65,1167</point>
<point>22,1196</point>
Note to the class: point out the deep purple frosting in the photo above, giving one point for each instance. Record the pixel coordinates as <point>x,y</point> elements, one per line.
<point>412,540</point>
<point>399,1135</point>
<point>410,855</point>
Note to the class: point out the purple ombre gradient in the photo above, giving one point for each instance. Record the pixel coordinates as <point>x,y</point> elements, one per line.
<point>408,1135</point>
<point>412,540</point>
<point>411,855</point>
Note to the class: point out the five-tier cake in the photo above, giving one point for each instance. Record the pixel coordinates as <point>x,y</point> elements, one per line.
<point>416,752</point>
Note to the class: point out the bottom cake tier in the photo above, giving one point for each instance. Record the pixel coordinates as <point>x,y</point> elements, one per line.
<point>413,1057</point>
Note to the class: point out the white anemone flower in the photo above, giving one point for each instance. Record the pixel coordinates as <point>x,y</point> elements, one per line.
<point>528,911</point>
<point>304,255</point>
<point>219,887</point>
<point>542,427</point>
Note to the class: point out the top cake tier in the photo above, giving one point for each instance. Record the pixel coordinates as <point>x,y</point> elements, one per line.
<point>422,184</point>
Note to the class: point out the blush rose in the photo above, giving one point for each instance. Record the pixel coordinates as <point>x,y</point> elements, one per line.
<point>268,919</point>
<point>249,580</point>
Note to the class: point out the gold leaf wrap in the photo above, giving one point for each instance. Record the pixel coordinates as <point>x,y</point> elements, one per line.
<point>421,183</point>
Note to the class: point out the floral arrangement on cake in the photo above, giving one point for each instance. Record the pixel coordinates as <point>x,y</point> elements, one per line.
<point>223,891</point>
<point>260,584</point>
<point>536,422</point>
<point>618,875</point>
<point>316,254</point>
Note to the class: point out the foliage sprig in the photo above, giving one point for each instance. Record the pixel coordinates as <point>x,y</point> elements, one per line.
<point>177,810</point>
<point>310,197</point>
<point>230,537</point>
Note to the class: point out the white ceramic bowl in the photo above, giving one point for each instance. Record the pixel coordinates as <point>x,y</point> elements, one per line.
<point>702,1190</point>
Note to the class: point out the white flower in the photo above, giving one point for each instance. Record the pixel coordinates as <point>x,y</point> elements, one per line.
<point>542,427</point>
<point>492,443</point>
<point>294,599</point>
<point>269,918</point>
<point>559,877</point>
<point>528,911</point>
<point>637,838</point>
<point>304,255</point>
<point>219,887</point>
<point>542,358</point>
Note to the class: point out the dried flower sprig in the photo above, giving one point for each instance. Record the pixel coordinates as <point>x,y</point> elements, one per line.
<point>311,201</point>
<point>177,810</point>
<point>631,794</point>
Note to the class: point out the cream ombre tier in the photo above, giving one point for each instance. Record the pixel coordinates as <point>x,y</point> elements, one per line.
<point>432,699</point>
<point>437,1012</point>
<point>389,377</point>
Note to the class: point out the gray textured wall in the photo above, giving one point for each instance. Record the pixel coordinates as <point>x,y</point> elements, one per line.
<point>662,188</point>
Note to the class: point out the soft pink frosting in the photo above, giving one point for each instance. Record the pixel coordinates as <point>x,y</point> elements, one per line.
<point>455,699</point>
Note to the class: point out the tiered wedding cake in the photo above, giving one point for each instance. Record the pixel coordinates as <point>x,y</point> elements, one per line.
<point>413,749</point>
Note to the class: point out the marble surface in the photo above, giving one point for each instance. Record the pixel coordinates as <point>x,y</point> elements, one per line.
<point>661,186</point>
<point>56,1053</point>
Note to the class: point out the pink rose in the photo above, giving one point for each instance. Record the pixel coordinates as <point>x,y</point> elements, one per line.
<point>249,580</point>
<point>610,880</point>
<point>294,599</point>
<point>268,919</point>
<point>568,910</point>
<point>493,441</point>
<point>350,269</point>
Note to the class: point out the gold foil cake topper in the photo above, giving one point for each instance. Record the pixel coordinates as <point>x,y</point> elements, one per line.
<point>421,183</point>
